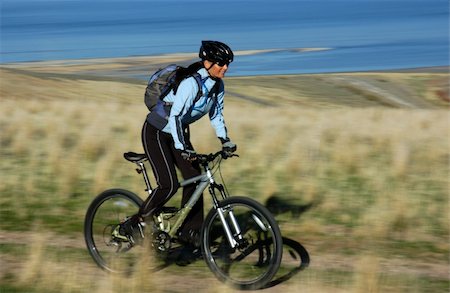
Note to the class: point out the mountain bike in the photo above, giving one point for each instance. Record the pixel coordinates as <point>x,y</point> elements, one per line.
<point>240,240</point>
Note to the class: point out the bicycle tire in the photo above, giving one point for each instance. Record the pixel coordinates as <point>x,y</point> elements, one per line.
<point>107,210</point>
<point>255,263</point>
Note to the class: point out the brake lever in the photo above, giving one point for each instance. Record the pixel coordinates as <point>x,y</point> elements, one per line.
<point>226,156</point>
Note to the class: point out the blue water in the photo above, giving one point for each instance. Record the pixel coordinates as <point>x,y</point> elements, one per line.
<point>361,34</point>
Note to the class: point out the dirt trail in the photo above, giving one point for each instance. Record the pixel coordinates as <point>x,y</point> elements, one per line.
<point>318,261</point>
<point>386,93</point>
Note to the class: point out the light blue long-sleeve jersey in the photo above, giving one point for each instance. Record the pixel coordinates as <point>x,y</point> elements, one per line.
<point>184,111</point>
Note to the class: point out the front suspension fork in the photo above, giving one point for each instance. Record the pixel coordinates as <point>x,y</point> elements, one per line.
<point>233,233</point>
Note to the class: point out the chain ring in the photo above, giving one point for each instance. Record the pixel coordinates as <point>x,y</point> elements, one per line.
<point>161,243</point>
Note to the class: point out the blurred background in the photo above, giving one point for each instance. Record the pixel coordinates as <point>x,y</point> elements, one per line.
<point>349,35</point>
<point>339,109</point>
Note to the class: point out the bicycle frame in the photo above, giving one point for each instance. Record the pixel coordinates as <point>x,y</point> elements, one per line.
<point>205,180</point>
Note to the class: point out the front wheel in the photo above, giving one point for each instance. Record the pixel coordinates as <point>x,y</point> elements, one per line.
<point>256,259</point>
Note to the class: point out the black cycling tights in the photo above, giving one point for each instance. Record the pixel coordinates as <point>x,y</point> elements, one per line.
<point>163,157</point>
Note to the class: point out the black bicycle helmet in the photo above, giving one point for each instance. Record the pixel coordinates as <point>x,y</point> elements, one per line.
<point>216,52</point>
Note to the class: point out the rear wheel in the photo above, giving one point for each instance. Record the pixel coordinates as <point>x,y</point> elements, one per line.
<point>257,258</point>
<point>103,215</point>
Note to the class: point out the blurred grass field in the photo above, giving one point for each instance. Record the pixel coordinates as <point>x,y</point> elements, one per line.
<point>369,167</point>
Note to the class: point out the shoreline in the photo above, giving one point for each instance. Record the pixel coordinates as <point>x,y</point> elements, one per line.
<point>413,88</point>
<point>150,58</point>
<point>138,67</point>
<point>417,88</point>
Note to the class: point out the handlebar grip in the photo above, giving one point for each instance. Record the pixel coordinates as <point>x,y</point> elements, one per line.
<point>203,158</point>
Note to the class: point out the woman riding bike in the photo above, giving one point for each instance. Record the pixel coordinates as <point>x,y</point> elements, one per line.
<point>167,143</point>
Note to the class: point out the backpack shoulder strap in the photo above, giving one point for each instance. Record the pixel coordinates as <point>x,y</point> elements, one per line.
<point>216,89</point>
<point>199,81</point>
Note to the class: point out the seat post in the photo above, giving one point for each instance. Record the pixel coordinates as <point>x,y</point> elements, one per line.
<point>143,170</point>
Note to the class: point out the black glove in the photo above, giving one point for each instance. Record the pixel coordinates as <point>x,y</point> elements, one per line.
<point>188,155</point>
<point>228,147</point>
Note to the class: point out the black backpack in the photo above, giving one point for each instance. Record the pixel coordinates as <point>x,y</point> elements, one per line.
<point>162,82</point>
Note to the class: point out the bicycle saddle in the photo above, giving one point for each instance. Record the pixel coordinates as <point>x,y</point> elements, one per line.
<point>134,157</point>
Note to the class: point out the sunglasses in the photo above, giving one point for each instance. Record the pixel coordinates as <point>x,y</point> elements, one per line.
<point>223,63</point>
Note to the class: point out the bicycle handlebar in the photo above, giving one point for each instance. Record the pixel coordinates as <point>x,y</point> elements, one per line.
<point>207,158</point>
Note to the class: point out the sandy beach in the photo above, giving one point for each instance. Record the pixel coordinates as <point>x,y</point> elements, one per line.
<point>413,88</point>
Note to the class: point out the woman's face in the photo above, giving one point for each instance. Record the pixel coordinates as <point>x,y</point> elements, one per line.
<point>216,71</point>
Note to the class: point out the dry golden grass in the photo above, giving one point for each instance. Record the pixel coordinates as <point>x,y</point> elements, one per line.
<point>376,176</point>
